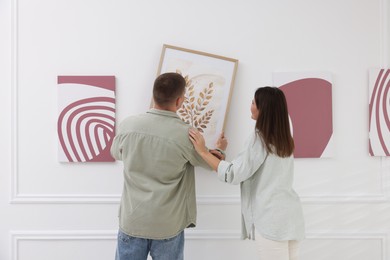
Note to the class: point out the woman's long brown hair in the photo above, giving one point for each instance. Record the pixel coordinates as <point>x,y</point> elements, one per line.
<point>272,123</point>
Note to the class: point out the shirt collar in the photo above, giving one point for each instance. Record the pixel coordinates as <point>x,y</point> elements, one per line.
<point>163,113</point>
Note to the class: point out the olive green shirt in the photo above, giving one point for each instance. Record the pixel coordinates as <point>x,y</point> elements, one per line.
<point>158,199</point>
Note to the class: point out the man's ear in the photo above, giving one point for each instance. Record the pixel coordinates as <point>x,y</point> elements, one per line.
<point>179,101</point>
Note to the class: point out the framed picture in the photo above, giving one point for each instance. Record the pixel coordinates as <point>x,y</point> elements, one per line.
<point>86,118</point>
<point>209,83</point>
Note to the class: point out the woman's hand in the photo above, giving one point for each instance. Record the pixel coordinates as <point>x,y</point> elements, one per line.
<point>198,141</point>
<point>222,142</point>
<point>217,154</point>
<point>200,146</point>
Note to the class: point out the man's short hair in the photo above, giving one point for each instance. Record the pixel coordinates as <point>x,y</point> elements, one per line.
<point>167,88</point>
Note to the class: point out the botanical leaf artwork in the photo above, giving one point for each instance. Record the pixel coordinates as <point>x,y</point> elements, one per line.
<point>209,80</point>
<point>194,109</point>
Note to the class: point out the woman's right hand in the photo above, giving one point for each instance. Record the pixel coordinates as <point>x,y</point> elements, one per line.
<point>199,145</point>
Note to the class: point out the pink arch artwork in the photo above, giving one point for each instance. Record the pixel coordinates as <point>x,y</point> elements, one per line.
<point>310,108</point>
<point>86,121</point>
<point>379,123</point>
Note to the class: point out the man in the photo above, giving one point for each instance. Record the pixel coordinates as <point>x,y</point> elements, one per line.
<point>158,200</point>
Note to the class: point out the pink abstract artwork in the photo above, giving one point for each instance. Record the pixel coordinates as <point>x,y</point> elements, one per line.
<point>309,100</point>
<point>379,122</point>
<point>86,118</point>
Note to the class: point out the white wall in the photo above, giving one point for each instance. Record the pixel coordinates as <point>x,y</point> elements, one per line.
<point>56,211</point>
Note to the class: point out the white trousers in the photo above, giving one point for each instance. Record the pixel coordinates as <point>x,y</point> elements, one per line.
<point>276,250</point>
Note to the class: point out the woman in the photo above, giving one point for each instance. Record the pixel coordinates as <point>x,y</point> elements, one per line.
<point>265,168</point>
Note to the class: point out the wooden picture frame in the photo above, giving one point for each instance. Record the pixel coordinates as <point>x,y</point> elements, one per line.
<point>210,80</point>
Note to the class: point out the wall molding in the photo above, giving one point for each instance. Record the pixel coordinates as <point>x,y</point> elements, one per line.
<point>201,199</point>
<point>381,236</point>
<point>108,199</point>
<point>18,198</point>
<point>14,99</point>
<point>17,236</point>
<point>191,234</point>
<point>43,235</point>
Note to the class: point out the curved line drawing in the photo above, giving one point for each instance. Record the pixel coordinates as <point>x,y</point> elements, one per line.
<point>372,105</point>
<point>379,129</point>
<point>384,107</point>
<point>78,127</point>
<point>74,138</point>
<point>377,115</point>
<point>98,124</point>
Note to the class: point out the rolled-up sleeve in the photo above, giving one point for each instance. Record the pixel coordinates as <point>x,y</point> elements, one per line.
<point>223,169</point>
<point>246,163</point>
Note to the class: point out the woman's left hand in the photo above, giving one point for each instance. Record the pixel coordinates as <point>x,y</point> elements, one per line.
<point>222,142</point>
<point>198,141</point>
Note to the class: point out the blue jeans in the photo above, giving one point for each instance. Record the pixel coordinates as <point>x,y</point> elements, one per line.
<point>134,248</point>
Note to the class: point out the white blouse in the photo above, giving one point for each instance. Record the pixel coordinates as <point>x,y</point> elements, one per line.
<point>268,200</point>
